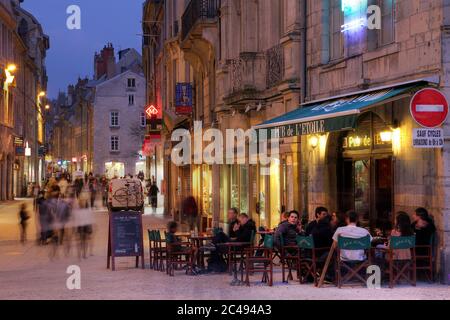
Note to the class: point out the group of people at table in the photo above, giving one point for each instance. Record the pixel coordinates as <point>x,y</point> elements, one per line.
<point>325,230</point>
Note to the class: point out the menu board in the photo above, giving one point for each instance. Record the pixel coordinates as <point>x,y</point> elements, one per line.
<point>125,236</point>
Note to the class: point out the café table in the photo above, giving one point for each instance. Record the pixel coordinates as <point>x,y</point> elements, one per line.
<point>234,249</point>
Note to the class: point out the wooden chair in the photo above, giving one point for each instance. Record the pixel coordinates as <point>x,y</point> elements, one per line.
<point>179,254</point>
<point>425,259</point>
<point>352,267</point>
<point>234,254</point>
<point>160,252</point>
<point>289,258</point>
<point>401,269</point>
<point>259,259</point>
<point>151,247</point>
<point>309,257</point>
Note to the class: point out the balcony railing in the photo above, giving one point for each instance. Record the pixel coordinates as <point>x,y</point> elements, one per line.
<point>198,10</point>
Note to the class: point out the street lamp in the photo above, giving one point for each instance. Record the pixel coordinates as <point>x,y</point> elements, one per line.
<point>47,107</point>
<point>41,94</point>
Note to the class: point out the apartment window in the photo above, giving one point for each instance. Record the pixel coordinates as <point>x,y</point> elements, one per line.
<point>114,119</point>
<point>131,100</point>
<point>336,38</point>
<point>131,83</point>
<point>114,143</point>
<point>143,119</point>
<point>385,36</point>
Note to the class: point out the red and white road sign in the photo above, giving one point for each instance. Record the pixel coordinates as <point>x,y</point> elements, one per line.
<point>429,108</point>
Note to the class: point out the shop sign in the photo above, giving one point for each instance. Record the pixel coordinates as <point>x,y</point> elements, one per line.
<point>428,138</point>
<point>315,127</point>
<point>183,99</point>
<point>18,141</point>
<point>20,151</point>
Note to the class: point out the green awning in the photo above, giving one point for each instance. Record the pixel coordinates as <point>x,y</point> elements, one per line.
<point>332,115</point>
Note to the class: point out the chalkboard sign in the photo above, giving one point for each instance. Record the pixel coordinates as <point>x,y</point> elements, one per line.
<point>125,237</point>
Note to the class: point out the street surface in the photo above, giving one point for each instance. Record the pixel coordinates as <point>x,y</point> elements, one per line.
<point>27,272</point>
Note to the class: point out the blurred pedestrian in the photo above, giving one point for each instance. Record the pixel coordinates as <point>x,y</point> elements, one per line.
<point>63,185</point>
<point>23,218</point>
<point>92,181</point>
<point>153,193</point>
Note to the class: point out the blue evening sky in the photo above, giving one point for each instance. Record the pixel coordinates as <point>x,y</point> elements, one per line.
<point>71,52</point>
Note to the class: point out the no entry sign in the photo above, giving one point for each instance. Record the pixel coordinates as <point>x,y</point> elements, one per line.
<point>429,108</point>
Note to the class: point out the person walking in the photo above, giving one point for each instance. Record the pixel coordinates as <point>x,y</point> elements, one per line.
<point>154,195</point>
<point>23,218</point>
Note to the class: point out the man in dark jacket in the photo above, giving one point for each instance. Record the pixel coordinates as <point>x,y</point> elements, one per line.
<point>288,231</point>
<point>320,213</point>
<point>233,223</point>
<point>247,228</point>
<point>323,233</point>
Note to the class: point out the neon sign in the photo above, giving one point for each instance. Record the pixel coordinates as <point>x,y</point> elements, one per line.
<point>357,15</point>
<point>151,111</point>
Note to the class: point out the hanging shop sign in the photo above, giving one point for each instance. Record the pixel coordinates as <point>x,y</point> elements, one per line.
<point>429,108</point>
<point>18,141</point>
<point>426,138</point>
<point>183,99</point>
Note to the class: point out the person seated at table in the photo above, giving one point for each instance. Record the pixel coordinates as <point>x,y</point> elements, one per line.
<point>337,220</point>
<point>247,227</point>
<point>354,232</point>
<point>175,243</point>
<point>424,228</point>
<point>288,231</point>
<point>233,223</point>
<point>402,229</point>
<point>322,233</point>
<point>320,213</point>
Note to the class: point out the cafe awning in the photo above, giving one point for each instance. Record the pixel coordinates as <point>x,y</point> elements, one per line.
<point>334,114</point>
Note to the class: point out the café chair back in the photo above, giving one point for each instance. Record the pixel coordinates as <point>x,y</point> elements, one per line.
<point>179,254</point>
<point>290,259</point>
<point>259,260</point>
<point>353,269</point>
<point>425,258</point>
<point>159,251</point>
<point>401,268</point>
<point>309,258</point>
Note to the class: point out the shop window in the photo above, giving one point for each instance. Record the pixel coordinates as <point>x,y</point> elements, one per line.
<point>365,173</point>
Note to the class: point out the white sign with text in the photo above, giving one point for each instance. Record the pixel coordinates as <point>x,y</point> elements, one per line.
<point>428,138</point>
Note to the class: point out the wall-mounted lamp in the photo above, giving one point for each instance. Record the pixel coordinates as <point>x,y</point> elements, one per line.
<point>386,136</point>
<point>314,141</point>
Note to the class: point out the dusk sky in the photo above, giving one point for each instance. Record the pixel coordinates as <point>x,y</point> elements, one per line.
<point>71,52</point>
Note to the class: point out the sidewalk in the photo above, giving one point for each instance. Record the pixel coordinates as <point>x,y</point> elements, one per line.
<point>26,272</point>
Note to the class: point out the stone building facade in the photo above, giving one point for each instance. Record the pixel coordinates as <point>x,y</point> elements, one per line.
<point>241,75</point>
<point>118,118</point>
<point>23,45</point>
<point>293,66</point>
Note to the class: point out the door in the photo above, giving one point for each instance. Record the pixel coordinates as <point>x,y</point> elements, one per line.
<point>382,218</point>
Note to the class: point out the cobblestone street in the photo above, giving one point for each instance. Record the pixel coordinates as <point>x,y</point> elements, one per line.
<point>26,272</point>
